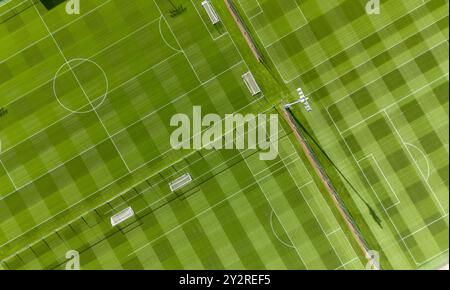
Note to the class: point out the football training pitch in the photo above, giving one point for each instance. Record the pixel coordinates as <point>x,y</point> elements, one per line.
<point>89,100</point>
<point>380,84</point>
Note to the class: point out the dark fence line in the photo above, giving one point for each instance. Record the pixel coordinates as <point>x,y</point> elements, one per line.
<point>353,227</point>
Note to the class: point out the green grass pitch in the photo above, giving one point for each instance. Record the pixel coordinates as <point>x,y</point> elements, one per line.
<point>75,151</point>
<point>380,83</point>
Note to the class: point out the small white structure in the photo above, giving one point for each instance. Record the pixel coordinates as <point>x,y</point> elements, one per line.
<point>122,216</point>
<point>211,12</point>
<point>303,100</point>
<point>180,182</point>
<point>251,83</point>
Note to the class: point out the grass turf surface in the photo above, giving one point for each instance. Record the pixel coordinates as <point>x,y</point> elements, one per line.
<point>381,83</point>
<point>73,160</point>
<point>70,162</point>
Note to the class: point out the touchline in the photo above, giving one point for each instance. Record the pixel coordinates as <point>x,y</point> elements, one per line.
<point>235,131</point>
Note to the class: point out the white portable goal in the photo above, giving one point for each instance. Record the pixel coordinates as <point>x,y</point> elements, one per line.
<point>211,12</point>
<point>180,182</point>
<point>251,83</point>
<point>122,216</point>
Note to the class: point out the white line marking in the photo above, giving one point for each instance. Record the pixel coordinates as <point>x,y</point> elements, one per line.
<point>273,209</point>
<point>176,39</point>
<point>425,227</point>
<point>57,30</point>
<point>206,26</point>
<point>345,49</point>
<point>50,218</point>
<point>81,87</point>
<point>90,58</point>
<point>309,205</point>
<point>9,176</point>
<point>122,130</point>
<point>371,187</point>
<point>69,115</point>
<point>385,178</point>
<point>389,106</point>
<point>348,263</point>
<point>276,234</point>
<point>282,37</point>
<point>206,210</point>
<point>163,37</point>
<point>427,173</point>
<point>411,157</point>
<point>259,173</point>
<point>323,198</point>
<point>88,196</point>
<point>385,74</point>
<point>333,232</point>
<point>435,256</point>
<point>369,60</point>
<point>11,8</point>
